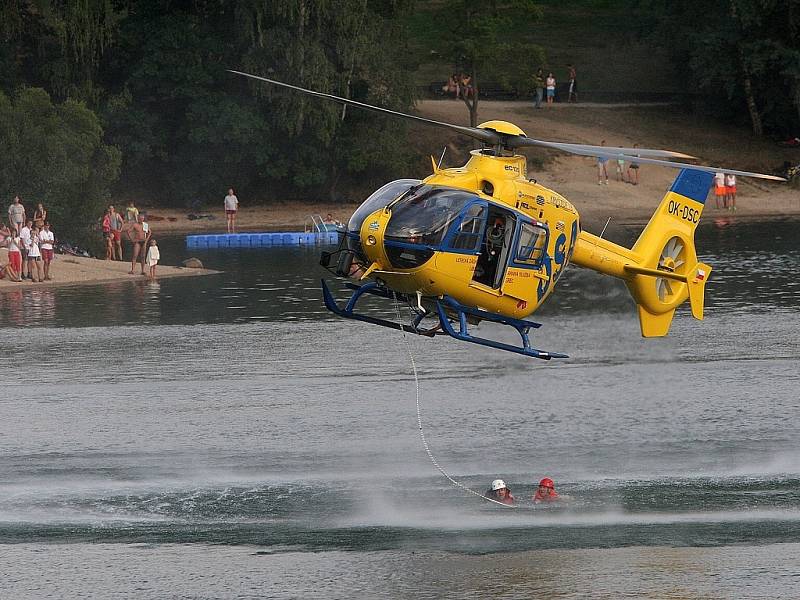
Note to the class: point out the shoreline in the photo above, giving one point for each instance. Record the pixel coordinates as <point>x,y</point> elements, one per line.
<point>285,218</point>
<point>70,271</point>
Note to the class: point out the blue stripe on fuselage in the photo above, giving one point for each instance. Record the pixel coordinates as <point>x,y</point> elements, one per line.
<point>693,184</point>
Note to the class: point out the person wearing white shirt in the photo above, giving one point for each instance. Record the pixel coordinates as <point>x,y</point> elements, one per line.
<point>25,237</point>
<point>719,188</point>
<point>147,235</point>
<point>231,206</point>
<point>46,241</point>
<point>153,256</point>
<point>730,191</point>
<point>35,256</point>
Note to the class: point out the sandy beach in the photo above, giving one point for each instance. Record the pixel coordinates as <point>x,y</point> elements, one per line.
<point>76,270</point>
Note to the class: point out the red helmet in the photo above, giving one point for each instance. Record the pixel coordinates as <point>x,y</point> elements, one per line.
<point>548,483</point>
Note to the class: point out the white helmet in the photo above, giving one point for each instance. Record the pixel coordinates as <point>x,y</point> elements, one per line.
<point>498,484</point>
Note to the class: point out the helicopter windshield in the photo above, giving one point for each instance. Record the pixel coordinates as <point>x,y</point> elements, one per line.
<point>424,215</point>
<point>378,199</point>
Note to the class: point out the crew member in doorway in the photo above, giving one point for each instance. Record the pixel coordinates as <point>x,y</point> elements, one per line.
<point>496,235</point>
<point>499,492</point>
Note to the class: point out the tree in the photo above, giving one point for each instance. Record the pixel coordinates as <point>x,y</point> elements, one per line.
<point>56,156</point>
<point>741,55</point>
<point>483,45</point>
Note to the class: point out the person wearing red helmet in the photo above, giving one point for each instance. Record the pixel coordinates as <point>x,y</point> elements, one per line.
<point>546,492</point>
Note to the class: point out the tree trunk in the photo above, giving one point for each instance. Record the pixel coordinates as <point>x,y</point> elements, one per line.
<point>755,116</point>
<point>472,103</point>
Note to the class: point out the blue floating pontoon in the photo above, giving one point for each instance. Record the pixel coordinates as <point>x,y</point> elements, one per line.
<point>262,240</point>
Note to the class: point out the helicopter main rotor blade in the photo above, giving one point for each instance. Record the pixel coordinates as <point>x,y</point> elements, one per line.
<point>678,165</point>
<point>603,151</point>
<point>593,150</point>
<point>484,135</point>
<point>587,150</point>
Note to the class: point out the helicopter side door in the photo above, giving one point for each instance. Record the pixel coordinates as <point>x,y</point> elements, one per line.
<point>495,248</point>
<point>526,256</point>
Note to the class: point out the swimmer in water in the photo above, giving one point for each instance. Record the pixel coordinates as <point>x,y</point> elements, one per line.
<point>499,492</point>
<point>546,492</point>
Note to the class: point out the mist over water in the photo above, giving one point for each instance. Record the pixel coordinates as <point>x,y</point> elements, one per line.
<point>230,425</point>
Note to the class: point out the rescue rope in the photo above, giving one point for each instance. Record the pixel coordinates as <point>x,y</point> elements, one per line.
<point>419,419</point>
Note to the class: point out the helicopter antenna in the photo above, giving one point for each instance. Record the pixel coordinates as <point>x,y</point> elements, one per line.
<point>441,158</point>
<point>604,227</point>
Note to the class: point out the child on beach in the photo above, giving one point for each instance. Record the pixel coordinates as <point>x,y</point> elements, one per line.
<point>152,258</point>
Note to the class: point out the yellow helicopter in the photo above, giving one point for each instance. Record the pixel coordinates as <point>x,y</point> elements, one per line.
<point>482,242</point>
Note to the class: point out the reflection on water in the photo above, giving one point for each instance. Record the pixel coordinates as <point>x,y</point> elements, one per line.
<point>754,264</point>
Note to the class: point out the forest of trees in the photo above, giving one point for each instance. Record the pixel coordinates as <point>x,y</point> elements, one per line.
<point>131,98</point>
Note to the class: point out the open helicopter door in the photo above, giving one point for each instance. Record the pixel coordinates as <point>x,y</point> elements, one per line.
<point>495,248</point>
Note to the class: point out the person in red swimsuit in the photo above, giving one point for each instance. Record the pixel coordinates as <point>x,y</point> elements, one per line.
<point>546,492</point>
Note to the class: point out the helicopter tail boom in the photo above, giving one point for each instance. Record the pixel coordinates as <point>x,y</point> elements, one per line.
<point>661,271</point>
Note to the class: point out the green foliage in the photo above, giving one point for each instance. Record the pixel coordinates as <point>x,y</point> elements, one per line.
<point>721,43</point>
<point>55,155</point>
<point>474,37</point>
<point>187,129</point>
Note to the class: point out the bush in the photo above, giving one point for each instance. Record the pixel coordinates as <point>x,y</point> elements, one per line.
<point>54,154</point>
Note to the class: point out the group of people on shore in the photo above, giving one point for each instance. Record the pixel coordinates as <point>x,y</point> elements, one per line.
<point>545,493</point>
<point>725,190</point>
<point>545,87</point>
<point>460,85</point>
<point>133,226</point>
<point>627,172</point>
<point>30,244</point>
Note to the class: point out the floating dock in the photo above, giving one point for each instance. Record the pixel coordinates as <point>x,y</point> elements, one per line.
<point>261,240</point>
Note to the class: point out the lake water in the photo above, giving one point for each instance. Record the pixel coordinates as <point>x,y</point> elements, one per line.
<point>225,436</point>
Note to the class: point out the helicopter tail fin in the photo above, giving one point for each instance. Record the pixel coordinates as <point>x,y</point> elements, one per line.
<point>667,272</point>
<point>661,271</point>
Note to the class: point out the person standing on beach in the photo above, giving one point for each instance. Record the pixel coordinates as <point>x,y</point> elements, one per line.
<point>16,214</point>
<point>35,256</point>
<point>551,88</point>
<point>538,82</point>
<point>602,171</point>
<point>47,239</point>
<point>135,234</point>
<point>231,207</point>
<point>39,215</point>
<point>147,235</point>
<point>131,213</point>
<point>153,256</point>
<point>720,193</point>
<point>573,84</point>
<point>116,232</point>
<point>633,170</point>
<point>108,236</point>
<point>25,237</point>
<point>13,243</point>
<point>730,191</point>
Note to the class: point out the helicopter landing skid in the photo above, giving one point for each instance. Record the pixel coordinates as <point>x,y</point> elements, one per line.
<point>373,289</point>
<point>445,326</point>
<point>463,334</point>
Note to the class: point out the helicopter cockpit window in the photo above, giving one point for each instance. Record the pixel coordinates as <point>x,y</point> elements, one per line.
<point>379,199</point>
<point>469,231</point>
<point>531,244</point>
<point>424,215</point>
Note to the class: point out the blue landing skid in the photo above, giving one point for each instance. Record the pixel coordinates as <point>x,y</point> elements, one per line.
<point>445,322</point>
